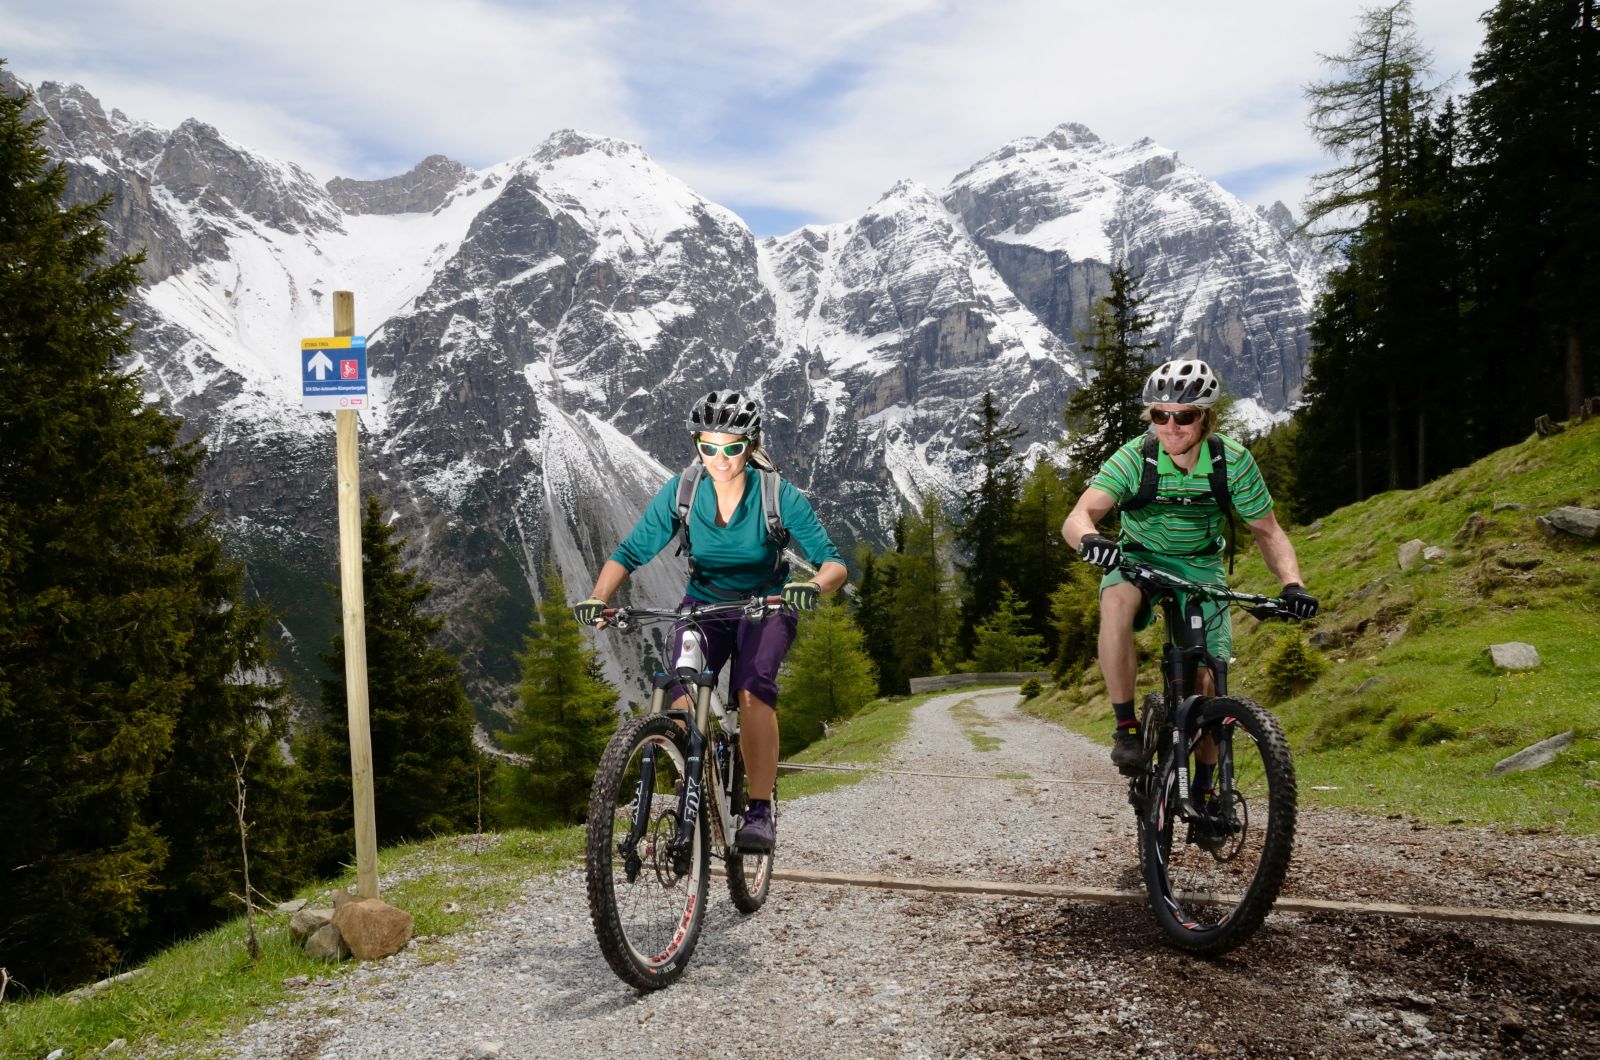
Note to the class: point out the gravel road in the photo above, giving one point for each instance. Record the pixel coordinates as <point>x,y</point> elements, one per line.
<point>848,972</point>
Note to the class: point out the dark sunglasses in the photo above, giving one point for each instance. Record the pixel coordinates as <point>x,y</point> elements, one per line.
<point>710,449</point>
<point>1183,418</point>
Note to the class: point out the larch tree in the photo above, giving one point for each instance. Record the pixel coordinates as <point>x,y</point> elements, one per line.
<point>567,712</point>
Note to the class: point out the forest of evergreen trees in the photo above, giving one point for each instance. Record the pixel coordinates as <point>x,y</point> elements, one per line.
<point>1469,230</point>
<point>136,687</point>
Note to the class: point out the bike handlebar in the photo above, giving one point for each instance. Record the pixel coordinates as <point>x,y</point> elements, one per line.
<point>1261,607</point>
<point>623,618</point>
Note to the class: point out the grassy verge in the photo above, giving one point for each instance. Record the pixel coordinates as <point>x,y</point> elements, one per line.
<point>864,740</point>
<point>1409,716</point>
<point>197,989</point>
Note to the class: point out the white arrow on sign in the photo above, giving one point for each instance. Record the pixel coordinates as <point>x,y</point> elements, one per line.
<point>320,364</point>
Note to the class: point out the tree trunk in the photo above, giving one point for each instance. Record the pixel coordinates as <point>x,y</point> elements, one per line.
<point>1422,447</point>
<point>1574,372</point>
<point>1392,406</point>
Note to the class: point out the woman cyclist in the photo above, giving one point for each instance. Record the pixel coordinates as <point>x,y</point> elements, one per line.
<point>733,556</point>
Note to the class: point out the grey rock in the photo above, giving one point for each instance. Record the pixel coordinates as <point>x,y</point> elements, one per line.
<point>1580,522</point>
<point>326,944</point>
<point>486,1050</point>
<point>115,1045</point>
<point>306,922</point>
<point>293,905</point>
<point>1535,756</point>
<point>1508,506</point>
<point>1435,554</point>
<point>1410,554</point>
<point>1513,655</point>
<point>424,188</point>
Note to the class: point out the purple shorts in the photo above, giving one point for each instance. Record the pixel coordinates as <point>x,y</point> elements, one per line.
<point>757,649</point>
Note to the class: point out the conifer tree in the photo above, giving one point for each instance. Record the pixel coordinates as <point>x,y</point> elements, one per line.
<point>424,764</point>
<point>120,620</point>
<point>1075,613</point>
<point>875,590</point>
<point>1106,412</point>
<point>826,677</point>
<point>1005,644</point>
<point>568,711</point>
<point>923,611</point>
<point>987,515</point>
<point>1384,331</point>
<point>1039,554</point>
<point>1533,125</point>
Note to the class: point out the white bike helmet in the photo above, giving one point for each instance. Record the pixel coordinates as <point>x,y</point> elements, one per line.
<point>725,412</point>
<point>1183,382</point>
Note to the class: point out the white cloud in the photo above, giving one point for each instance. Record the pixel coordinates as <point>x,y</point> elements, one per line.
<point>816,108</point>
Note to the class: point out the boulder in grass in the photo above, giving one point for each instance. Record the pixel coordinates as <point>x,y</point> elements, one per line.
<point>373,928</point>
<point>305,922</point>
<point>1540,754</point>
<point>1411,553</point>
<point>1579,522</point>
<point>1513,655</point>
<point>326,944</point>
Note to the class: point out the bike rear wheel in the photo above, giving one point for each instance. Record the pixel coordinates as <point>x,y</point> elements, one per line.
<point>1212,878</point>
<point>647,900</point>
<point>749,874</point>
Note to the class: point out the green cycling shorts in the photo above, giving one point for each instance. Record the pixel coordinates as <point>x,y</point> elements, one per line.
<point>1218,619</point>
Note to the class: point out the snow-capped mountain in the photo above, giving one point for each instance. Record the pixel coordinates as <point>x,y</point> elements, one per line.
<point>538,329</point>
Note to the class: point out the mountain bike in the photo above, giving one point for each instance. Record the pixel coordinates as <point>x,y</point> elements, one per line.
<point>668,796</point>
<point>1212,867</point>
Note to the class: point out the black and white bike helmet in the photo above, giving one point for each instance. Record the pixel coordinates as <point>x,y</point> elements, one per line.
<point>1183,382</point>
<point>725,412</point>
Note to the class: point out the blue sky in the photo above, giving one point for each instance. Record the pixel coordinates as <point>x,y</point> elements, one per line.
<point>786,116</point>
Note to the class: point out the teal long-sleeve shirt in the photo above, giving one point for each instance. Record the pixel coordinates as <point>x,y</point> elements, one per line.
<point>732,560</point>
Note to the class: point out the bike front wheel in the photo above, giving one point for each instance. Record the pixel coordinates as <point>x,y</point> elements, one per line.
<point>749,873</point>
<point>647,889</point>
<point>1213,870</point>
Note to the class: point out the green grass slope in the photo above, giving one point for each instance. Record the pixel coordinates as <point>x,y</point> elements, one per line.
<point>1409,716</point>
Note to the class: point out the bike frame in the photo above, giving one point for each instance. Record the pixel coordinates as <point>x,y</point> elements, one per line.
<point>1183,652</point>
<point>689,670</point>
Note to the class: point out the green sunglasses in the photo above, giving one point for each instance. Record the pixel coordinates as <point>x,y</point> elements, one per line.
<point>710,449</point>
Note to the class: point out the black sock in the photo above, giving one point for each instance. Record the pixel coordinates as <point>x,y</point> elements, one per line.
<point>753,803</point>
<point>1125,718</point>
<point>1202,775</point>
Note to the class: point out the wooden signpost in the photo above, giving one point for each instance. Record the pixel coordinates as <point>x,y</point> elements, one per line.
<point>334,377</point>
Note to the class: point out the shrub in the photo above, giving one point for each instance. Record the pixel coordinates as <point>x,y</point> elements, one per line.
<point>1292,667</point>
<point>1031,687</point>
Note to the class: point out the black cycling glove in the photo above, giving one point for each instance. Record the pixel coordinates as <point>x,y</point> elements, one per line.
<point>1099,550</point>
<point>801,596</point>
<point>1297,601</point>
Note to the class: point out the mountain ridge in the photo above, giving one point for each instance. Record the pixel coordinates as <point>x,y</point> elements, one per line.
<point>546,320</point>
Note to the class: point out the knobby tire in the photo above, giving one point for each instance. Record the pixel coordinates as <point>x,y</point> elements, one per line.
<point>647,927</point>
<point>1212,883</point>
<point>749,875</point>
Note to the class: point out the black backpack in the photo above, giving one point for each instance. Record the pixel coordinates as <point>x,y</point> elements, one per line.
<point>1217,492</point>
<point>771,514</point>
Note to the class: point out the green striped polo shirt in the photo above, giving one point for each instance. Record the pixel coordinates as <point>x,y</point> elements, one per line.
<point>1178,529</point>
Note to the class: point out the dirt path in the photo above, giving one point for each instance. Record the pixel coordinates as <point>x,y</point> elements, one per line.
<point>828,971</point>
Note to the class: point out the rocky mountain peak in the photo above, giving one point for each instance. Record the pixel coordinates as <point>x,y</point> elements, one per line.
<point>421,189</point>
<point>1071,134</point>
<point>567,143</point>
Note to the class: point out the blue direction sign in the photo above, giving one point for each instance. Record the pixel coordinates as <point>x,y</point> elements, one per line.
<point>333,373</point>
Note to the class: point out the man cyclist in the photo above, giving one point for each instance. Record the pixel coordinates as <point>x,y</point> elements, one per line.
<point>1180,530</point>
